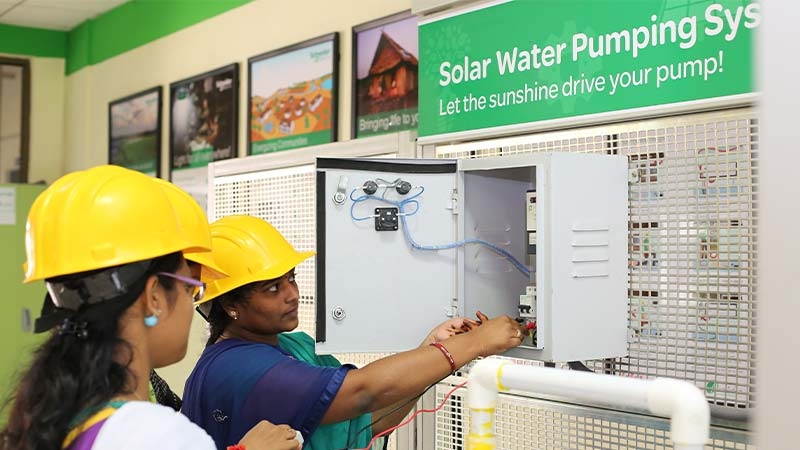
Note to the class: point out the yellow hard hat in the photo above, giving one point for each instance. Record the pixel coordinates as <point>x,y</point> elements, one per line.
<point>191,214</point>
<point>249,249</point>
<point>104,217</point>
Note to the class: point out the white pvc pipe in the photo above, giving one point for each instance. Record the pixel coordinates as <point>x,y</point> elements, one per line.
<point>680,401</point>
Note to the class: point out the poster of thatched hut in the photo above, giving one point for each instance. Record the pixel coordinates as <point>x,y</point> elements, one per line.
<point>386,67</point>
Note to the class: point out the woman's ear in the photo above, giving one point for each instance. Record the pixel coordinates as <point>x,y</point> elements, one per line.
<point>153,296</point>
<point>230,311</point>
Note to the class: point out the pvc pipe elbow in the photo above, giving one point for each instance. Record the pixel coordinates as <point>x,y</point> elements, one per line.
<point>484,383</point>
<point>687,408</point>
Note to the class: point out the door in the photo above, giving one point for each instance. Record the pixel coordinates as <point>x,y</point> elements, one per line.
<point>381,284</point>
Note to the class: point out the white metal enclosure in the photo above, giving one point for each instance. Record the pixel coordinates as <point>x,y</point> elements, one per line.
<point>456,251</point>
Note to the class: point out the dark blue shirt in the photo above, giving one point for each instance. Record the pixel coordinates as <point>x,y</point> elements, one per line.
<point>236,384</point>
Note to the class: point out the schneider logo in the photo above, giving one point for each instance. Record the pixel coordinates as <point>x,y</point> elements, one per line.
<point>224,84</point>
<point>319,54</point>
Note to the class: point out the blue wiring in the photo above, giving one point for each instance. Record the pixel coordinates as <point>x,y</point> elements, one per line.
<point>401,209</point>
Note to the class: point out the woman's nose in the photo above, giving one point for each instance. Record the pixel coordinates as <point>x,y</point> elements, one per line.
<point>293,293</point>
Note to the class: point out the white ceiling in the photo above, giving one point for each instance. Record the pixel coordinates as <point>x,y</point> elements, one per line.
<point>53,14</point>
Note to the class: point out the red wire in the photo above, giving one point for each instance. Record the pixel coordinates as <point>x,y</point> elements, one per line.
<point>407,421</point>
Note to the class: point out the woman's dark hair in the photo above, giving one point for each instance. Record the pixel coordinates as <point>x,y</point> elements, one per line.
<point>70,373</point>
<point>217,318</point>
<point>163,393</point>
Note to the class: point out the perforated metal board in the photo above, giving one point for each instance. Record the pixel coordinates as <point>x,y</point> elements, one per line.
<point>283,197</point>
<point>691,243</point>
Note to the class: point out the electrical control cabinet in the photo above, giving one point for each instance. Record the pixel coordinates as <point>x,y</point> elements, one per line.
<point>406,244</point>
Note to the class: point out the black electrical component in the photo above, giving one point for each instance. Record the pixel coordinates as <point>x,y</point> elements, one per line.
<point>403,187</point>
<point>370,187</point>
<point>386,219</point>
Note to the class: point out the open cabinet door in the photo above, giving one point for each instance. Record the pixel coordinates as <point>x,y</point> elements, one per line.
<point>375,293</point>
<point>21,303</point>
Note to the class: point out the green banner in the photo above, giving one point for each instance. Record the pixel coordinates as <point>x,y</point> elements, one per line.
<point>387,122</point>
<point>525,60</point>
<point>290,142</point>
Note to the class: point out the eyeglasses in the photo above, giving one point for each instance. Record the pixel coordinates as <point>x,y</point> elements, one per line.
<point>199,286</point>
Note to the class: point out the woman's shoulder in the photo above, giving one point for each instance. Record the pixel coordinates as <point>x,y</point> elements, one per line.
<point>229,346</point>
<point>234,351</point>
<point>145,425</point>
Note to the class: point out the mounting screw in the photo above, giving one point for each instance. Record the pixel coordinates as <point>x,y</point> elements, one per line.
<point>338,313</point>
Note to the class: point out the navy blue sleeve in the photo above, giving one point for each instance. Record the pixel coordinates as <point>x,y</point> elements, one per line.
<point>294,393</point>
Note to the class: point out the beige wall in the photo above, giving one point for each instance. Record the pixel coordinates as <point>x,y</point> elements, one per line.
<point>46,161</point>
<point>252,29</point>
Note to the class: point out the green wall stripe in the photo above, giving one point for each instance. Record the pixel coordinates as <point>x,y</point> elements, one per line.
<point>78,40</point>
<point>32,41</point>
<point>134,24</point>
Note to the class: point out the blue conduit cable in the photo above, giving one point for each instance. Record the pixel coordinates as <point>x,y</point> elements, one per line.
<point>411,200</point>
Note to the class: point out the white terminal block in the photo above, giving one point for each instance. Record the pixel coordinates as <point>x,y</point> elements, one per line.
<point>530,202</point>
<point>527,303</point>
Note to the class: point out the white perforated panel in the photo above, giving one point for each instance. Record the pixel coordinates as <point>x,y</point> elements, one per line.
<point>285,199</point>
<point>691,235</point>
<point>691,270</point>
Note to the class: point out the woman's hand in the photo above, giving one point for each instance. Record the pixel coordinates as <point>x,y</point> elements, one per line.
<point>267,436</point>
<point>450,328</point>
<point>498,335</point>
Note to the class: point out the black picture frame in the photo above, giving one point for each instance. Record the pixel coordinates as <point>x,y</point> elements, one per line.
<point>397,111</point>
<point>134,131</point>
<point>211,98</point>
<point>317,118</point>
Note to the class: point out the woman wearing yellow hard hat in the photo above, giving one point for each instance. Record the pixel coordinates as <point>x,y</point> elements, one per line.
<point>108,243</point>
<point>252,370</point>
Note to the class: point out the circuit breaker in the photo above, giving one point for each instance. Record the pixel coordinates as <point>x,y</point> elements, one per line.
<point>406,244</point>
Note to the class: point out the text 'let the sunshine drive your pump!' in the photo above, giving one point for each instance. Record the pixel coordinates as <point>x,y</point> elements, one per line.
<point>717,22</point>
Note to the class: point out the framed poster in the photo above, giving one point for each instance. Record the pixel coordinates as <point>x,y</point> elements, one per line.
<point>134,131</point>
<point>385,75</point>
<point>293,96</point>
<point>203,126</point>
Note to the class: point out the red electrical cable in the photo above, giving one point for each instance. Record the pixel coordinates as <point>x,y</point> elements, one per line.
<point>407,421</point>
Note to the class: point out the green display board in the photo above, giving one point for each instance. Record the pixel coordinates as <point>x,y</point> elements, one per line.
<point>533,60</point>
<point>20,303</point>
